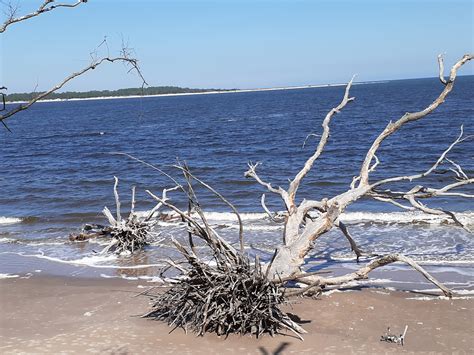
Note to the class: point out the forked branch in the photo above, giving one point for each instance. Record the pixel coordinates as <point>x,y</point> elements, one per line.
<point>393,127</point>
<point>293,188</point>
<point>46,6</point>
<point>131,62</point>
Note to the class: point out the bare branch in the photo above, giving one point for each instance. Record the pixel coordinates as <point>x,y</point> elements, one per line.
<point>129,61</point>
<point>363,273</point>
<point>117,200</point>
<point>393,127</point>
<point>441,69</point>
<point>438,162</point>
<point>164,197</point>
<point>460,174</point>
<point>252,173</point>
<point>232,207</point>
<point>132,207</point>
<point>273,216</point>
<point>322,143</point>
<point>178,185</point>
<point>390,200</point>
<point>358,252</point>
<point>45,7</point>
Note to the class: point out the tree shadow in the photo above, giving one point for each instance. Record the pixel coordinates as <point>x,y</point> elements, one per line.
<point>277,351</point>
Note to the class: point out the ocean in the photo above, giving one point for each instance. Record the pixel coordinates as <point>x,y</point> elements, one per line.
<point>57,170</point>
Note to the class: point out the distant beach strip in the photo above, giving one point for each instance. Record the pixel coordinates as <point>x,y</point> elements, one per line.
<point>211,92</point>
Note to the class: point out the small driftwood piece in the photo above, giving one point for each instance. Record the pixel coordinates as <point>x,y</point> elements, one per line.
<point>391,338</point>
<point>90,231</point>
<point>127,235</point>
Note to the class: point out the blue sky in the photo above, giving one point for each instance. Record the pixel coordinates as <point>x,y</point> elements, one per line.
<point>237,44</point>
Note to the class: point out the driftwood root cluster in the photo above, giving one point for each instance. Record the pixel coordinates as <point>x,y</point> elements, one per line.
<point>226,299</point>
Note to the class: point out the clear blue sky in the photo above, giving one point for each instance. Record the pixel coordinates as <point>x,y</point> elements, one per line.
<point>238,44</point>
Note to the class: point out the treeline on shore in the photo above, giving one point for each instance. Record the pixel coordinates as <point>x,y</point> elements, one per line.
<point>152,90</point>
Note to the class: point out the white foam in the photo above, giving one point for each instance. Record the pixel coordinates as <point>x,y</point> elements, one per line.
<point>255,228</point>
<point>95,261</point>
<point>9,220</point>
<point>433,298</point>
<point>403,217</point>
<point>6,240</point>
<point>229,216</point>
<point>8,276</point>
<point>467,217</point>
<point>460,292</point>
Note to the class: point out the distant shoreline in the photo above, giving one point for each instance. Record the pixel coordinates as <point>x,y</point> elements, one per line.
<point>212,92</point>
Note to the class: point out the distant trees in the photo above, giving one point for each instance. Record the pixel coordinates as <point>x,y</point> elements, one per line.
<point>151,90</point>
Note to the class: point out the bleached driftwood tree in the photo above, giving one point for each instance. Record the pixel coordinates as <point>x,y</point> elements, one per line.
<point>125,57</point>
<point>301,231</point>
<point>224,291</point>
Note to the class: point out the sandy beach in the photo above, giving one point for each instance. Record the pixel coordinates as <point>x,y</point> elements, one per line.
<point>46,314</point>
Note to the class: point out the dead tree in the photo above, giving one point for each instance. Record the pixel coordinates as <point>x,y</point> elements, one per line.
<point>124,56</point>
<point>301,230</point>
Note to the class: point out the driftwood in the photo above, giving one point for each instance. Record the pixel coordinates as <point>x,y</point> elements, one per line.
<point>127,235</point>
<point>301,231</point>
<point>231,294</point>
<point>90,231</point>
<point>392,338</point>
<point>227,294</point>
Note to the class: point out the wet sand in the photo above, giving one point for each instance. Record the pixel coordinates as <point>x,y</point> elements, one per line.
<point>72,315</point>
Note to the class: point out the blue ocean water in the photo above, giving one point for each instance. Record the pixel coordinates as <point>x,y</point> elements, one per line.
<point>57,166</point>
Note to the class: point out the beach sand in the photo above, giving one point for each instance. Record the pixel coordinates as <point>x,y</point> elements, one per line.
<point>46,314</point>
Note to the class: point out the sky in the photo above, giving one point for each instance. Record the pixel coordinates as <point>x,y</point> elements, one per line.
<point>236,44</point>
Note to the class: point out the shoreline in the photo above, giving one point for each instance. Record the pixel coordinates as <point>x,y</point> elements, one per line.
<point>47,314</point>
<point>200,93</point>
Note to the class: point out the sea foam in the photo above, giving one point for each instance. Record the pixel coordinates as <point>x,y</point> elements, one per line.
<point>9,220</point>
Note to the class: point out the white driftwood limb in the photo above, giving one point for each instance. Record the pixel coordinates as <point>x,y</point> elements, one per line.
<point>273,216</point>
<point>109,216</point>
<point>301,231</point>
<point>164,197</point>
<point>295,183</point>
<point>364,271</point>
<point>117,200</point>
<point>460,174</point>
<point>461,138</point>
<point>441,69</point>
<point>132,206</point>
<point>393,127</point>
<point>252,173</point>
<point>48,5</point>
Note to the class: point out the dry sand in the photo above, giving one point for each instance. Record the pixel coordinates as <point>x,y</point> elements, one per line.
<point>65,315</point>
